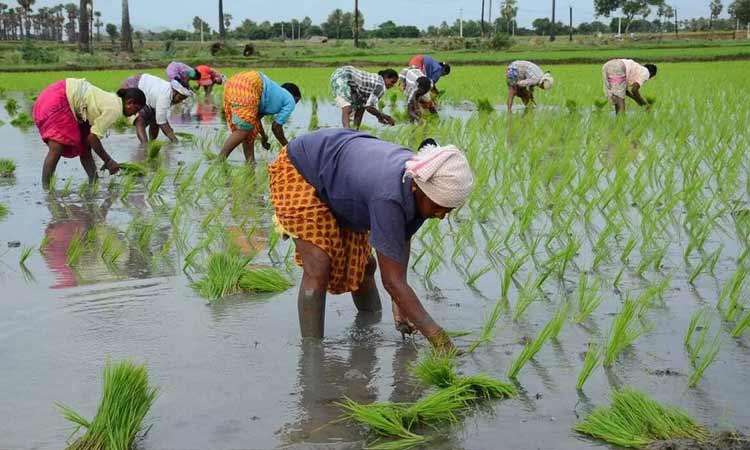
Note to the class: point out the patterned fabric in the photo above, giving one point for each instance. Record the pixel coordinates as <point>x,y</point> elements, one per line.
<point>303,215</point>
<point>408,82</point>
<point>523,74</point>
<point>242,97</point>
<point>208,76</point>
<point>93,105</point>
<point>615,79</point>
<point>180,72</point>
<point>56,122</point>
<point>365,88</point>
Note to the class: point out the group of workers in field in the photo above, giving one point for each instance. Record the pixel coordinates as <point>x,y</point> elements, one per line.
<point>338,193</point>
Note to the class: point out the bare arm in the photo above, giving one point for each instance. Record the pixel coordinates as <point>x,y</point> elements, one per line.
<point>413,109</point>
<point>278,131</point>
<point>635,94</point>
<point>394,280</point>
<point>346,113</point>
<point>96,145</point>
<point>382,117</point>
<point>511,96</point>
<point>166,128</point>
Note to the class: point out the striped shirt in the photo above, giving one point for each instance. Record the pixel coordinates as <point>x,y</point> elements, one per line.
<point>529,74</point>
<point>365,85</point>
<point>408,81</point>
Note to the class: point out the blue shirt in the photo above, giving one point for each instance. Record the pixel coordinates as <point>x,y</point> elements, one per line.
<point>360,178</point>
<point>276,101</point>
<point>432,69</point>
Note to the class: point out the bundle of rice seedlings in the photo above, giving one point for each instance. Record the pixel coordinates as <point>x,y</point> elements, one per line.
<point>437,369</point>
<point>635,420</point>
<point>22,120</point>
<point>186,137</point>
<point>571,105</point>
<point>11,106</point>
<point>383,418</point>
<point>486,387</point>
<point>153,149</point>
<point>550,331</point>
<point>624,331</point>
<point>121,124</point>
<point>589,298</point>
<point>651,100</point>
<point>484,105</point>
<point>134,169</point>
<point>592,359</point>
<point>126,399</point>
<point>442,405</point>
<point>600,104</point>
<point>7,167</point>
<point>228,273</point>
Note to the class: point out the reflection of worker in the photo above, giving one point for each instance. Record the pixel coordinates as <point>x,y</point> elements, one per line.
<point>160,96</point>
<point>73,116</point>
<point>625,77</point>
<point>336,209</point>
<point>68,221</point>
<point>206,111</point>
<point>248,97</point>
<point>522,77</point>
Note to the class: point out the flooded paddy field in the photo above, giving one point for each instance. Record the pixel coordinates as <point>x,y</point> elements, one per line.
<point>569,206</point>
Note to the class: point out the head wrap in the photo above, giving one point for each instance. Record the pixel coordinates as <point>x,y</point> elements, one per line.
<point>181,89</point>
<point>443,174</point>
<point>547,81</point>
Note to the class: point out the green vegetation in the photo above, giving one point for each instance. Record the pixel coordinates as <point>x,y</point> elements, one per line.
<point>624,331</point>
<point>3,211</point>
<point>11,106</point>
<point>593,358</point>
<point>126,399</point>
<point>7,167</point>
<point>22,121</point>
<point>228,273</point>
<point>635,420</point>
<point>532,347</point>
<point>134,169</point>
<point>153,148</point>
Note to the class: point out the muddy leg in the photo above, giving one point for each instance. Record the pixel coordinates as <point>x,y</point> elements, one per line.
<point>87,161</point>
<point>367,298</point>
<point>619,105</point>
<point>50,162</point>
<point>311,301</point>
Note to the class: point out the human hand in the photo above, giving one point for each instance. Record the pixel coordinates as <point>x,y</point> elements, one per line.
<point>440,341</point>
<point>112,166</point>
<point>385,119</point>
<point>403,325</point>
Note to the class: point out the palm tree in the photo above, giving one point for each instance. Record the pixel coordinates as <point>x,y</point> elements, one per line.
<point>26,5</point>
<point>227,21</point>
<point>126,32</point>
<point>98,24</point>
<point>3,21</point>
<point>356,23</point>
<point>222,30</point>
<point>72,10</point>
<point>716,8</point>
<point>481,23</point>
<point>84,9</point>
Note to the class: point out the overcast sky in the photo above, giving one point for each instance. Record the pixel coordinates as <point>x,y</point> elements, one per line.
<point>180,13</point>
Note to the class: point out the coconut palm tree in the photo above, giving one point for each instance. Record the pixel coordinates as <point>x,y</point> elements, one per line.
<point>98,24</point>
<point>126,31</point>
<point>72,10</point>
<point>84,10</point>
<point>26,5</point>
<point>222,30</point>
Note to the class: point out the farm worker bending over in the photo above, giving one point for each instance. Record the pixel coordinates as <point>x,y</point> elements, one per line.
<point>73,115</point>
<point>209,77</point>
<point>417,87</point>
<point>339,192</point>
<point>182,73</point>
<point>625,77</point>
<point>160,96</point>
<point>431,68</point>
<point>358,91</point>
<point>522,77</point>
<point>248,96</point>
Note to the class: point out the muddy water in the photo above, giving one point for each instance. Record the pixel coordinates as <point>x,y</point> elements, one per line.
<point>234,375</point>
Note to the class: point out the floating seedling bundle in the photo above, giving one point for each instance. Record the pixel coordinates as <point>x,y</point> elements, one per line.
<point>635,420</point>
<point>229,273</point>
<point>126,399</point>
<point>7,167</point>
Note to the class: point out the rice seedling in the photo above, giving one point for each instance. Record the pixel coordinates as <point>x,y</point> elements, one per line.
<point>25,253</point>
<point>228,273</point>
<point>488,330</point>
<point>121,124</point>
<point>7,167</point>
<point>11,106</point>
<point>635,420</point>
<point>593,358</point>
<point>112,249</point>
<point>22,121</point>
<point>67,188</point>
<point>600,104</point>
<point>589,298</point>
<point>156,181</point>
<point>44,243</point>
<point>152,150</point>
<point>485,387</point>
<point>133,169</point>
<point>75,249</point>
<point>437,369</point>
<point>707,262</point>
<point>624,331</point>
<point>128,185</point>
<point>186,137</point>
<point>550,330</point>
<point>3,211</point>
<point>126,399</point>
<point>698,321</point>
<point>484,105</point>
<point>571,105</point>
<point>703,361</point>
<point>526,297</point>
<point>382,418</point>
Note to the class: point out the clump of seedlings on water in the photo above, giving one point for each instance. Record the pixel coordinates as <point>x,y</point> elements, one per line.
<point>229,273</point>
<point>7,167</point>
<point>127,397</point>
<point>22,121</point>
<point>550,331</point>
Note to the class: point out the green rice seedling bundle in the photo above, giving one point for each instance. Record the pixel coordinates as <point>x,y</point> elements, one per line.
<point>152,149</point>
<point>228,273</point>
<point>156,182</point>
<point>532,347</point>
<point>488,330</point>
<point>134,169</point>
<point>11,106</point>
<point>75,249</point>
<point>128,185</point>
<point>486,387</point>
<point>67,188</point>
<point>126,399</point>
<point>589,298</point>
<point>443,405</point>
<point>3,211</point>
<point>437,369</point>
<point>593,358</point>
<point>383,418</point>
<point>121,124</point>
<point>186,137</point>
<point>484,105</point>
<point>571,105</point>
<point>624,331</point>
<point>600,104</point>
<point>22,121</point>
<point>111,248</point>
<point>704,360</point>
<point>635,420</point>
<point>7,167</point>
<point>25,253</point>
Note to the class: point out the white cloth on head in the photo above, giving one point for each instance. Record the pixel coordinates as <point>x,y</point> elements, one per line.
<point>181,89</point>
<point>443,174</point>
<point>547,81</point>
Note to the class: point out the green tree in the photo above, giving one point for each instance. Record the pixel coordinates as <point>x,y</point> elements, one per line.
<point>111,30</point>
<point>26,6</point>
<point>740,10</point>
<point>508,12</point>
<point>716,8</point>
<point>629,8</point>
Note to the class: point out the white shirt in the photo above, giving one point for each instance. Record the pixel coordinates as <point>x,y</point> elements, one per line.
<point>158,96</point>
<point>635,73</point>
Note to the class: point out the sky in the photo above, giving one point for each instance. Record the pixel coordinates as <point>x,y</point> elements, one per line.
<point>157,14</point>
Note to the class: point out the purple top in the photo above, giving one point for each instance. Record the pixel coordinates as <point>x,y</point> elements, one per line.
<point>180,72</point>
<point>360,178</point>
<point>432,69</point>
